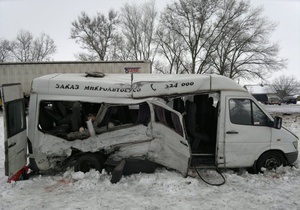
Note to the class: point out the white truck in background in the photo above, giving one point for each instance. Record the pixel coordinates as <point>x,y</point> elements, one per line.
<point>24,73</point>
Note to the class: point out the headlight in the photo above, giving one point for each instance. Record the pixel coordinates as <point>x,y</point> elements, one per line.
<point>295,143</point>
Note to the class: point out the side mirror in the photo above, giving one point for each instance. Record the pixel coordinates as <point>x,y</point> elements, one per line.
<point>277,122</point>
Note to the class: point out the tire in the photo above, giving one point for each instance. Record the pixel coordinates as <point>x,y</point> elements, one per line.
<point>271,160</point>
<point>87,162</point>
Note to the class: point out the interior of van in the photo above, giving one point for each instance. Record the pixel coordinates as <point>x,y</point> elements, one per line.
<point>69,120</point>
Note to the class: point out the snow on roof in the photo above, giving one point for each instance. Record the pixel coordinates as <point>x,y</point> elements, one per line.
<point>131,86</point>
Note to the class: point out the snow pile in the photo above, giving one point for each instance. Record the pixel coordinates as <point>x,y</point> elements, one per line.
<point>160,190</point>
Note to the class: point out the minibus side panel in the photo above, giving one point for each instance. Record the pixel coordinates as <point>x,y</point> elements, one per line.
<point>247,134</point>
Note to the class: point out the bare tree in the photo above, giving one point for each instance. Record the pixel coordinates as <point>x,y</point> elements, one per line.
<point>119,50</point>
<point>138,27</point>
<point>286,85</point>
<point>5,54</point>
<point>26,48</point>
<point>191,20</point>
<point>243,48</point>
<point>227,37</point>
<point>171,48</point>
<point>20,47</point>
<point>43,46</point>
<point>87,57</point>
<point>96,35</point>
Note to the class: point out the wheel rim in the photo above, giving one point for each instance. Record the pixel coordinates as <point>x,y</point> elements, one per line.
<point>272,163</point>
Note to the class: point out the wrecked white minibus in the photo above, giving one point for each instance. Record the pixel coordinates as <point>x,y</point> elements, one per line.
<point>134,123</point>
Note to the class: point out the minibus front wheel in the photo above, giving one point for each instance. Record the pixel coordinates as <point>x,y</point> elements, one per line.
<point>271,160</point>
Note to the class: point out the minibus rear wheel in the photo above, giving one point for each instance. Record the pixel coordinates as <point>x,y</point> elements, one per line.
<point>89,161</point>
<point>271,160</point>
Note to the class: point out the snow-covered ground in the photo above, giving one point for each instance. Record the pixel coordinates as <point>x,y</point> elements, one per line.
<point>283,108</point>
<point>160,190</point>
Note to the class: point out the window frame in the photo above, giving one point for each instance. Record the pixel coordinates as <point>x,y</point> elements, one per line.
<point>252,104</point>
<point>164,120</point>
<point>10,111</point>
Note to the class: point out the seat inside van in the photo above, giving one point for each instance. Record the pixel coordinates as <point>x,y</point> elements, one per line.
<point>201,114</point>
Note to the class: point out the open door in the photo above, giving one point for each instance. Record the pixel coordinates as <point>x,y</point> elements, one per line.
<point>15,133</point>
<point>169,146</point>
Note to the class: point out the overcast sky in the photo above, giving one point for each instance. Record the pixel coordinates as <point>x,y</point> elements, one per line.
<point>54,17</point>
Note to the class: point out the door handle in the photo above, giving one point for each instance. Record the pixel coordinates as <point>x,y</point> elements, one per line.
<point>232,132</point>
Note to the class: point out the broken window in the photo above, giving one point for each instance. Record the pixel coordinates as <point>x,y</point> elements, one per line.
<point>168,119</point>
<point>79,120</point>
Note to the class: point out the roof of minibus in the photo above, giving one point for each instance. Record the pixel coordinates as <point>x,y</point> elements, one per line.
<point>131,85</point>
